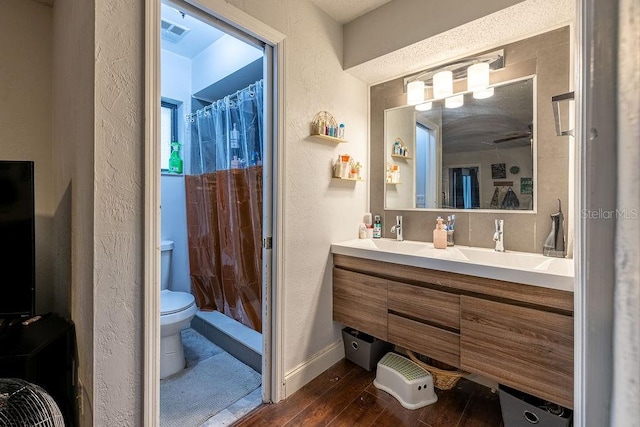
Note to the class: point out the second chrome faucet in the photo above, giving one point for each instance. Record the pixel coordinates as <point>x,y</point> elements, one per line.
<point>397,229</point>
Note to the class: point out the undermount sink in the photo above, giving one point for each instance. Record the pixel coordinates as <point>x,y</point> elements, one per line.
<point>520,267</point>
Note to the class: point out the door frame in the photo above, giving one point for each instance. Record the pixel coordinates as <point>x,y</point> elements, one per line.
<point>273,366</point>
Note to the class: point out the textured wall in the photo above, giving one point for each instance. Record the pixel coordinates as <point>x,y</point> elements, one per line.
<point>118,204</point>
<point>25,120</point>
<point>73,159</point>
<point>317,209</point>
<point>396,25</point>
<point>518,21</point>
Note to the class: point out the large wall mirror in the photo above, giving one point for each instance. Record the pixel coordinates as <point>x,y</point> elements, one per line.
<point>458,159</point>
<point>479,155</point>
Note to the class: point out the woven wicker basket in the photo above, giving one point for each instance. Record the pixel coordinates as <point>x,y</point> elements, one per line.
<point>320,120</point>
<point>443,379</point>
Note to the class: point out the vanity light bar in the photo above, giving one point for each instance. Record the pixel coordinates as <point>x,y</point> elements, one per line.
<point>475,69</point>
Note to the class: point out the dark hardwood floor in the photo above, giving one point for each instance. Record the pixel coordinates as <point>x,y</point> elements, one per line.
<point>344,395</point>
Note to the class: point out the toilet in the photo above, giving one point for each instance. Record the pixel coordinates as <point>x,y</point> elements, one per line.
<point>176,311</point>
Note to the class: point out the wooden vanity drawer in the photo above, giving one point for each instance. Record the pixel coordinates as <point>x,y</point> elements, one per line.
<point>436,307</point>
<point>360,301</point>
<point>428,340</point>
<point>528,349</point>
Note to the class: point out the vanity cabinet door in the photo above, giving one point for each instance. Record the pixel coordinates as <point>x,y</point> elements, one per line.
<point>525,348</point>
<point>360,301</point>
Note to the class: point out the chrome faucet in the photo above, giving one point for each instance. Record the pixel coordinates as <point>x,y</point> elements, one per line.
<point>498,236</point>
<point>397,229</point>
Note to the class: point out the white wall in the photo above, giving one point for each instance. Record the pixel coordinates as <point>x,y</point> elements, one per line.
<point>317,209</point>
<point>223,58</point>
<point>118,212</point>
<point>25,121</point>
<point>400,123</point>
<point>176,86</point>
<point>73,159</point>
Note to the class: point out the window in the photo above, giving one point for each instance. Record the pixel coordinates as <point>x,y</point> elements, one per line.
<point>168,131</point>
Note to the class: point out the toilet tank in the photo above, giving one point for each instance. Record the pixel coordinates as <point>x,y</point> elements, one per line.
<point>166,247</point>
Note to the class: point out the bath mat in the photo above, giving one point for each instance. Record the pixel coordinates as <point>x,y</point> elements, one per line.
<point>192,396</point>
<point>197,348</point>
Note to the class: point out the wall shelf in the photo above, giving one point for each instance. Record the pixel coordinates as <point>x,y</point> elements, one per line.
<point>398,156</point>
<point>348,179</point>
<point>329,138</point>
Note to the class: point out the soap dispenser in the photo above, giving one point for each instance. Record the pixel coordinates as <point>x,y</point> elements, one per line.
<point>554,245</point>
<point>439,235</point>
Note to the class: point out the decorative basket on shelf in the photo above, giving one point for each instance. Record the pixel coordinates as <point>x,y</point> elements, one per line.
<point>443,379</point>
<point>321,122</point>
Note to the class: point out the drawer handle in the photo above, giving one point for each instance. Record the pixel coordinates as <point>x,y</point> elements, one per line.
<point>354,344</point>
<point>531,417</point>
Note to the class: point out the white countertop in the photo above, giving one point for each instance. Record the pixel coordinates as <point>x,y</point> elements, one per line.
<point>519,267</point>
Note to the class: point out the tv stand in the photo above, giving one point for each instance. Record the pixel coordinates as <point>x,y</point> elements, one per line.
<point>42,353</point>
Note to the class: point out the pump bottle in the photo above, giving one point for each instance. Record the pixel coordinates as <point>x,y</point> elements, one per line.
<point>439,235</point>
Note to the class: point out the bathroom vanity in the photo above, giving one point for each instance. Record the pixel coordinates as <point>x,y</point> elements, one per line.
<point>506,316</point>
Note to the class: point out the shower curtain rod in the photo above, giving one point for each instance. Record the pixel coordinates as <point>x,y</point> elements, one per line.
<point>191,117</point>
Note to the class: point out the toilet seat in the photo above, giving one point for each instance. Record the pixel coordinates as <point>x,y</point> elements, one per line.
<point>174,302</point>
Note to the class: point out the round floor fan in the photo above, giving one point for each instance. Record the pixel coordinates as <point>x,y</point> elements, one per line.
<point>26,404</point>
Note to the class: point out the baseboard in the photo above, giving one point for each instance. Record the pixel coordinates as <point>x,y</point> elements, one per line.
<point>302,374</point>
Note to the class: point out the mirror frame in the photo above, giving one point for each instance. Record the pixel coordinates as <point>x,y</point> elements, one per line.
<point>439,154</point>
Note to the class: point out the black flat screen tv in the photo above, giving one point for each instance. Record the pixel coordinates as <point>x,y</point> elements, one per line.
<point>17,229</point>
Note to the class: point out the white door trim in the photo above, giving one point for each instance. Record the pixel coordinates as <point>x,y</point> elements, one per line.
<point>151,291</point>
<point>151,244</point>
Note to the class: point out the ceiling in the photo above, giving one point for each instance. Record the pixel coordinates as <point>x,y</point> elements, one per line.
<point>344,11</point>
<point>502,121</point>
<point>200,36</point>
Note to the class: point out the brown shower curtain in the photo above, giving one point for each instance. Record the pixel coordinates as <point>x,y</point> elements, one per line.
<point>224,219</point>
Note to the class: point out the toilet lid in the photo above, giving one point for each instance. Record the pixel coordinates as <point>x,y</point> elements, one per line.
<point>173,302</point>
